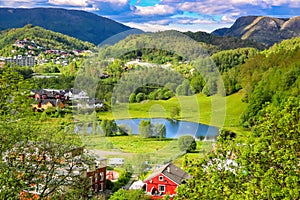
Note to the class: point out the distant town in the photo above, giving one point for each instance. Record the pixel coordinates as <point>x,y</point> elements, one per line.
<point>28,53</point>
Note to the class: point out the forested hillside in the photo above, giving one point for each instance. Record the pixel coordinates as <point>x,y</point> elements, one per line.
<point>225,42</point>
<point>271,76</point>
<point>261,164</point>
<point>44,38</point>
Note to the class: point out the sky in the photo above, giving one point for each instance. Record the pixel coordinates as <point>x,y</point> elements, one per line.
<point>159,15</point>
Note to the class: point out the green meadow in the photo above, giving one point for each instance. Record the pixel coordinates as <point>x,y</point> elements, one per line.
<point>214,110</point>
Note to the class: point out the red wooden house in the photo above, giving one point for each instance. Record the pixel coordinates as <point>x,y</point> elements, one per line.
<point>97,177</point>
<point>165,180</point>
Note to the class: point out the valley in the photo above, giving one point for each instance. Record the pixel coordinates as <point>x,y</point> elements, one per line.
<point>74,98</point>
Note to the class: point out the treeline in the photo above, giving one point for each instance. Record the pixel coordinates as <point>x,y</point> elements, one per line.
<point>149,130</point>
<point>157,56</point>
<point>147,83</point>
<point>222,43</point>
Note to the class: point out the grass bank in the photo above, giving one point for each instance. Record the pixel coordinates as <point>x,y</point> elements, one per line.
<point>215,110</point>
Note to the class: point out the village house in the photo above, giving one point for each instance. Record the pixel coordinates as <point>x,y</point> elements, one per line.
<point>164,181</point>
<point>47,98</point>
<point>21,60</point>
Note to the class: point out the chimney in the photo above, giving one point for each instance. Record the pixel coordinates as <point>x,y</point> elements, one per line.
<point>168,169</point>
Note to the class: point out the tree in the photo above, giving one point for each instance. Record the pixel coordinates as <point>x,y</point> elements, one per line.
<point>145,129</point>
<point>197,83</point>
<point>174,112</point>
<point>140,163</point>
<point>132,98</point>
<point>187,143</point>
<point>30,151</point>
<point>109,127</point>
<point>184,89</point>
<point>262,165</point>
<point>140,97</point>
<point>159,130</point>
<point>122,194</point>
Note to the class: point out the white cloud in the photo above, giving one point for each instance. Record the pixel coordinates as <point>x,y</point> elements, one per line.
<point>147,27</point>
<point>157,9</point>
<point>118,2</point>
<point>224,7</point>
<point>19,3</point>
<point>153,26</point>
<point>206,7</point>
<point>79,3</point>
<point>186,20</point>
<point>229,18</point>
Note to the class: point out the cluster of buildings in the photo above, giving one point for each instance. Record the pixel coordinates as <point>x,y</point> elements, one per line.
<point>33,54</point>
<point>18,60</point>
<point>52,98</point>
<point>63,168</point>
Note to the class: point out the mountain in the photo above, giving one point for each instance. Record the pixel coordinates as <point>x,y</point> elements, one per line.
<point>43,38</point>
<point>223,42</point>
<point>83,25</point>
<point>265,30</point>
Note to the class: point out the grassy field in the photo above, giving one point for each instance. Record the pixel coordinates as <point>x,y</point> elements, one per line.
<point>156,151</point>
<point>153,150</point>
<point>215,110</point>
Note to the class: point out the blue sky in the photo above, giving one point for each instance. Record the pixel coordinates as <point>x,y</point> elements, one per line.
<point>188,15</point>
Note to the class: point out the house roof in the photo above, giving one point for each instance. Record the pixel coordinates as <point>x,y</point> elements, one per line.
<point>137,185</point>
<point>172,172</point>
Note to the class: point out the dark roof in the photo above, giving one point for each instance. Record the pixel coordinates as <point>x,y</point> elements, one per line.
<point>49,93</point>
<point>172,172</point>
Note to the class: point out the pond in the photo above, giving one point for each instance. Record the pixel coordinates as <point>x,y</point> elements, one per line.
<point>174,128</point>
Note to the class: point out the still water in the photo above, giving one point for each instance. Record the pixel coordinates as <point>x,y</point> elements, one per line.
<point>174,128</point>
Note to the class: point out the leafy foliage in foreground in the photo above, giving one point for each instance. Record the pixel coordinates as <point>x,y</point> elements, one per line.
<point>261,166</point>
<point>129,195</point>
<point>31,152</point>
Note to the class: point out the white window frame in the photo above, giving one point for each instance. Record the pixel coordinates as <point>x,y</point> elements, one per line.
<point>161,178</point>
<point>101,187</point>
<point>161,186</point>
<point>91,180</point>
<point>96,188</point>
<point>101,176</point>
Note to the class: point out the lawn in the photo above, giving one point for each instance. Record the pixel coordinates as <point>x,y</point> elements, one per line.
<point>154,150</point>
<point>215,110</point>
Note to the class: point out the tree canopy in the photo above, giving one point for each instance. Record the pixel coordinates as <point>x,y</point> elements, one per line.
<point>262,165</point>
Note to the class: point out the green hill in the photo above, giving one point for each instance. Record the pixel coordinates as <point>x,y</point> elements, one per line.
<point>271,76</point>
<point>172,41</point>
<point>44,38</point>
<point>223,43</point>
